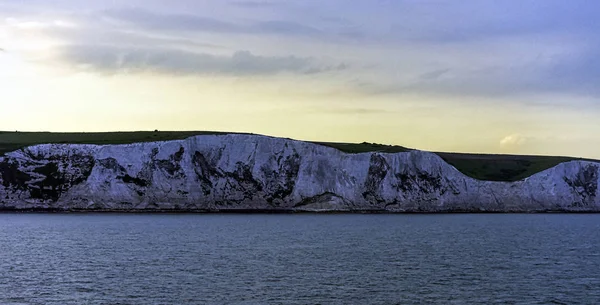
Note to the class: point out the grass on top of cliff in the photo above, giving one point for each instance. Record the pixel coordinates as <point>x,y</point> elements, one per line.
<point>11,141</point>
<point>355,148</point>
<point>502,167</point>
<point>478,166</point>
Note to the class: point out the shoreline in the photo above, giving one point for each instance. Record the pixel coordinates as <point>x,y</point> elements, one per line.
<point>277,211</point>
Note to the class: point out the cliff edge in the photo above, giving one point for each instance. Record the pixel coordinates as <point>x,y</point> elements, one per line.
<point>258,173</point>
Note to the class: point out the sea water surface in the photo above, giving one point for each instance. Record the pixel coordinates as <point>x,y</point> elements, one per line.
<point>299,259</point>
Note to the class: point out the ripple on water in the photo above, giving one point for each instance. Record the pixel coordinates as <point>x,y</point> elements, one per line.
<point>299,259</point>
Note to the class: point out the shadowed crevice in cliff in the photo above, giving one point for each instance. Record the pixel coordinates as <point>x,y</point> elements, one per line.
<point>204,171</point>
<point>134,180</point>
<point>422,182</point>
<point>280,175</point>
<point>585,184</point>
<point>243,175</point>
<point>46,178</point>
<point>172,166</point>
<point>320,199</point>
<point>113,165</point>
<point>50,187</point>
<point>240,183</point>
<point>378,169</point>
<point>85,164</point>
<point>276,182</point>
<point>12,176</point>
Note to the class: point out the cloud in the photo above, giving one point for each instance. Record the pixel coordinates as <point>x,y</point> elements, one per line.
<point>108,59</point>
<point>185,22</point>
<point>471,21</point>
<point>188,22</point>
<point>349,111</point>
<point>486,48</point>
<point>30,24</point>
<point>482,48</point>
<point>255,4</point>
<point>436,74</point>
<point>283,27</point>
<point>525,71</point>
<point>125,38</point>
<point>513,140</point>
<point>136,40</point>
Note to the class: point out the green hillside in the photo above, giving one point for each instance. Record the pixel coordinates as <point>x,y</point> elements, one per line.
<point>478,166</point>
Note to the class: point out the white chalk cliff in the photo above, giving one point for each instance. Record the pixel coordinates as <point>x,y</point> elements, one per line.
<point>249,172</point>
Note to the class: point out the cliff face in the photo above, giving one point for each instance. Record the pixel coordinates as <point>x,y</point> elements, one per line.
<point>247,172</point>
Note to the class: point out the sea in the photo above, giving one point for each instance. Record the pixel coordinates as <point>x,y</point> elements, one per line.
<point>299,259</point>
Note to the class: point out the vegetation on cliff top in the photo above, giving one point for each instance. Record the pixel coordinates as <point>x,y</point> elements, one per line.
<point>11,141</point>
<point>478,166</point>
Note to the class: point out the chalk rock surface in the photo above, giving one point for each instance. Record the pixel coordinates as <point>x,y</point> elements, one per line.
<point>259,173</point>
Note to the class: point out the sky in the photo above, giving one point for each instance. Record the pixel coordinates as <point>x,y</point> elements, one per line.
<point>514,76</point>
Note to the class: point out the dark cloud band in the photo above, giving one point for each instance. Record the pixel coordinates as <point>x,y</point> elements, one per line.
<point>109,59</point>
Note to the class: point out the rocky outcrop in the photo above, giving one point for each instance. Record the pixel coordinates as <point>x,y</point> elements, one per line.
<point>247,172</point>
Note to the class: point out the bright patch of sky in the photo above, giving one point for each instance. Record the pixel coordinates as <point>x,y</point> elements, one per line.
<point>480,75</point>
